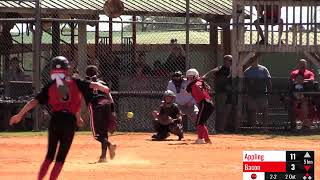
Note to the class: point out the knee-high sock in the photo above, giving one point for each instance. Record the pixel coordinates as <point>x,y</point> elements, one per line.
<point>205,133</point>
<point>104,145</point>
<point>44,168</point>
<point>56,170</point>
<point>199,132</point>
<point>108,143</point>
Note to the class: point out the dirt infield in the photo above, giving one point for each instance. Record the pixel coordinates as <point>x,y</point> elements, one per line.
<point>139,158</point>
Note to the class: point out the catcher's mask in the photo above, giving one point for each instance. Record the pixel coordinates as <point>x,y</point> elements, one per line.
<point>169,97</point>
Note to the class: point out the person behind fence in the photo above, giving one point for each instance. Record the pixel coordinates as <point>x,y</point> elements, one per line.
<point>177,58</point>
<point>308,79</point>
<point>6,41</point>
<point>168,119</point>
<point>268,15</point>
<point>64,95</point>
<point>185,101</point>
<point>303,107</point>
<point>257,87</point>
<point>139,80</point>
<point>200,92</point>
<point>158,69</point>
<point>15,72</point>
<point>102,115</point>
<point>223,88</point>
<point>308,76</point>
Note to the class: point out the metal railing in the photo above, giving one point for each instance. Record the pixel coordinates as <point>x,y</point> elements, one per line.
<point>284,25</point>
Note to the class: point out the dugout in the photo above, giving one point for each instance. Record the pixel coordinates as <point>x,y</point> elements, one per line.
<point>76,30</point>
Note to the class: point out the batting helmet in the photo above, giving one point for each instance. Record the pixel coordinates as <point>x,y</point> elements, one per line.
<point>192,72</point>
<point>60,62</point>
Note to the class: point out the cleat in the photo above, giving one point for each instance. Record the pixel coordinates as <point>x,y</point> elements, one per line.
<point>112,151</point>
<point>200,141</point>
<point>180,137</point>
<point>160,137</point>
<point>208,141</point>
<point>102,160</point>
<point>154,136</point>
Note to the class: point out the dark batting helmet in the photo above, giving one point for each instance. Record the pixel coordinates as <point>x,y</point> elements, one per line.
<point>60,62</point>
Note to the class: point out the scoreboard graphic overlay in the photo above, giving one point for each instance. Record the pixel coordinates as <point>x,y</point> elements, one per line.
<point>280,165</point>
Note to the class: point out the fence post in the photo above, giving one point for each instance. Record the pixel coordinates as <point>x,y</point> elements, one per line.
<point>82,49</point>
<point>36,60</point>
<point>187,34</point>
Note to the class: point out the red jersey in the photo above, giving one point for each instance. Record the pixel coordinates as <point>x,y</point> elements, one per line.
<point>49,95</point>
<point>199,90</point>
<point>306,74</point>
<point>72,104</point>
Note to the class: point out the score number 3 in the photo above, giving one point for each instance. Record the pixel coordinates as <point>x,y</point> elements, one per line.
<point>293,167</point>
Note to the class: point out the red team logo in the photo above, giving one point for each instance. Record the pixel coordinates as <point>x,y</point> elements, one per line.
<point>253,176</point>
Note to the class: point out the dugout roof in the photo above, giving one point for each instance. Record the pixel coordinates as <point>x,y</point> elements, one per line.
<point>198,8</point>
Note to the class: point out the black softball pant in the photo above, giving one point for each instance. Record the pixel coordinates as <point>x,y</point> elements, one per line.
<point>99,119</point>
<point>61,130</point>
<point>206,108</point>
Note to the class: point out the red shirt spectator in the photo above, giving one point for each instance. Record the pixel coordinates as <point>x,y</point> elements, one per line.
<point>307,75</point>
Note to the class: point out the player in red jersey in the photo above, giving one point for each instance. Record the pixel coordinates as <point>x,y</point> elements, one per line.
<point>63,95</point>
<point>200,92</point>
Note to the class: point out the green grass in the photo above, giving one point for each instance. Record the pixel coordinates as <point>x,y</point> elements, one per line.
<point>34,133</point>
<point>22,134</point>
<point>45,133</point>
<point>285,135</point>
<point>156,37</point>
<point>164,37</point>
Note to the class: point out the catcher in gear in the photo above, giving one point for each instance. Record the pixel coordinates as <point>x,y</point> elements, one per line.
<point>168,119</point>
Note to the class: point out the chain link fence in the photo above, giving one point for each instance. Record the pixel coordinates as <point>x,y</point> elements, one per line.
<point>136,57</point>
<point>16,86</point>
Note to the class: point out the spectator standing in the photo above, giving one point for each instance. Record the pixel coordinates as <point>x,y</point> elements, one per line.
<point>257,86</point>
<point>177,58</point>
<point>223,90</point>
